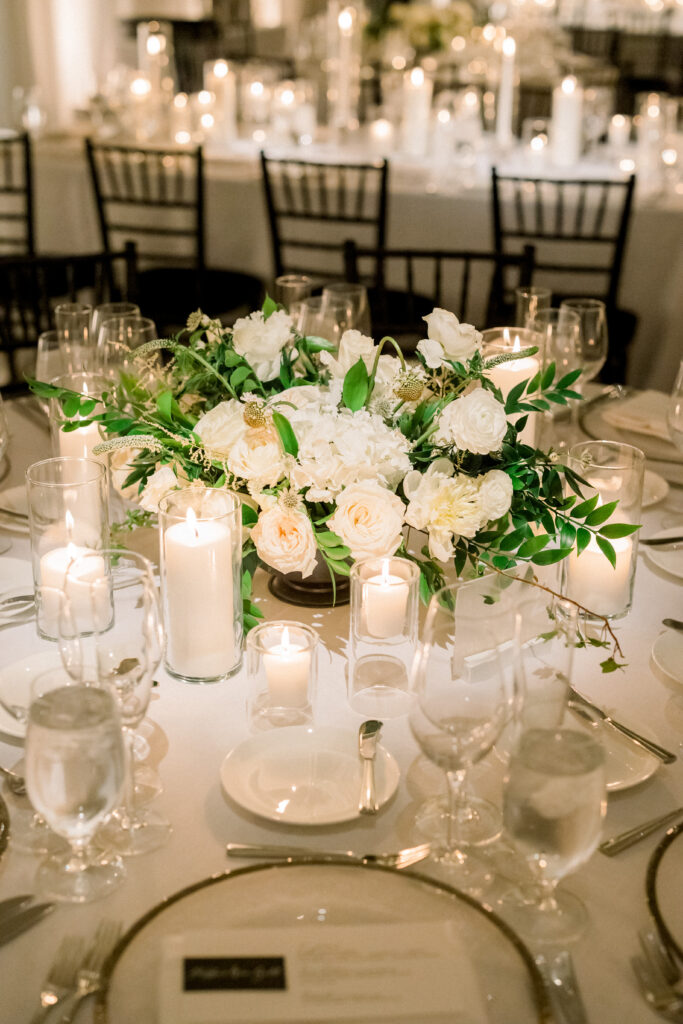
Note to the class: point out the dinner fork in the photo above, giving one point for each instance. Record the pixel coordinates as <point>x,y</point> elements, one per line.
<point>89,975</point>
<point>400,859</point>
<point>61,977</point>
<point>658,991</point>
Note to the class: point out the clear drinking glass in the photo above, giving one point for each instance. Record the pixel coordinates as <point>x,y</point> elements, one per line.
<point>561,332</point>
<point>528,302</point>
<point>329,321</point>
<point>674,414</point>
<point>554,803</point>
<point>107,310</point>
<point>78,443</point>
<point>75,767</point>
<point>118,338</point>
<point>73,324</point>
<point>118,620</point>
<point>463,701</point>
<point>593,338</point>
<point>50,362</point>
<point>353,295</point>
<point>292,288</point>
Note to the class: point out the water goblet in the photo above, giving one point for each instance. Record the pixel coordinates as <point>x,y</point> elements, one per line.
<point>75,767</point>
<point>353,295</point>
<point>119,622</point>
<point>593,338</point>
<point>328,321</point>
<point>50,362</point>
<point>530,300</point>
<point>73,324</point>
<point>553,806</point>
<point>291,289</point>
<point>674,414</point>
<point>107,310</point>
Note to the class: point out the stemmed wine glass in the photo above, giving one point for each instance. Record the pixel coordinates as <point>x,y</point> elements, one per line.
<point>463,700</point>
<point>73,324</point>
<point>674,414</point>
<point>106,310</point>
<point>118,619</point>
<point>353,295</point>
<point>75,767</point>
<point>593,338</point>
<point>553,806</point>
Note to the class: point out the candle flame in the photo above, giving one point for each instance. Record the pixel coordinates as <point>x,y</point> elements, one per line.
<point>204,97</point>
<point>285,640</point>
<point>220,68</point>
<point>191,520</point>
<point>182,138</point>
<point>206,120</point>
<point>140,86</point>
<point>256,88</point>
<point>517,345</point>
<point>155,44</point>
<point>287,97</point>
<point>180,100</point>
<point>345,20</point>
<point>417,77</point>
<point>618,120</point>
<point>569,85</point>
<point>509,47</point>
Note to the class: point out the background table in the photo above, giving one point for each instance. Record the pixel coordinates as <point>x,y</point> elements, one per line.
<point>191,729</point>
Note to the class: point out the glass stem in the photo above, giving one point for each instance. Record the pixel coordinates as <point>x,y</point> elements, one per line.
<point>456,803</point>
<point>126,811</point>
<point>78,861</point>
<point>546,899</point>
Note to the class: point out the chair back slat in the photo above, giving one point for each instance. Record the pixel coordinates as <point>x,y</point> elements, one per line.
<point>16,187</point>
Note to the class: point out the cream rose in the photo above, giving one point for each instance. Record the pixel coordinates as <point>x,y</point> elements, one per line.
<point>159,483</point>
<point>222,427</point>
<point>258,459</point>
<point>495,494</point>
<point>369,519</point>
<point>459,341</point>
<point>474,423</point>
<point>261,341</point>
<point>352,347</point>
<point>285,540</point>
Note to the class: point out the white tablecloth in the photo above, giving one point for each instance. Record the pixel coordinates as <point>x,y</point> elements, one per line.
<point>193,728</point>
<point>238,239</point>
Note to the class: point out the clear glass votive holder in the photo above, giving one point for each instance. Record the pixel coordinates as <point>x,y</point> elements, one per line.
<point>73,323</point>
<point>292,288</point>
<point>68,512</point>
<point>529,301</point>
<point>383,640</point>
<point>498,341</point>
<point>613,472</point>
<point>282,672</point>
<point>79,442</point>
<point>200,537</point>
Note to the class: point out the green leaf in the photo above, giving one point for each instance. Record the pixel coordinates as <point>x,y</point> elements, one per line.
<point>328,539</point>
<point>567,535</point>
<point>315,344</point>
<point>88,406</point>
<point>286,433</point>
<point>269,307</point>
<point>548,376</point>
<point>239,375</point>
<point>249,515</point>
<point>71,405</point>
<point>460,559</point>
<point>511,541</point>
<point>615,530</point>
<point>246,583</point>
<point>610,665</point>
<point>568,379</point>
<point>607,550</point>
<point>551,556</point>
<point>341,568</point>
<point>513,396</point>
<point>501,562</point>
<point>531,547</point>
<point>165,405</point>
<point>425,592</point>
<point>601,514</point>
<point>582,510</point>
<point>583,539</point>
<point>356,386</point>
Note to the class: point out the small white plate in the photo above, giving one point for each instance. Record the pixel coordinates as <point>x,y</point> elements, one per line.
<point>626,764</point>
<point>15,687</point>
<point>670,561</point>
<point>667,654</point>
<point>303,775</point>
<point>655,488</point>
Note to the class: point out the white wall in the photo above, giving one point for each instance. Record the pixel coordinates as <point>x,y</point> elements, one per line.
<point>15,60</point>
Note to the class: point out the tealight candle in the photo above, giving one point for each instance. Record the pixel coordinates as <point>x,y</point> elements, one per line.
<point>567,122</point>
<point>619,131</point>
<point>507,375</point>
<point>287,666</point>
<point>385,598</point>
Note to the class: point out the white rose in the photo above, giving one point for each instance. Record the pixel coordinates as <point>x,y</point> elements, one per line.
<point>352,347</point>
<point>495,494</point>
<point>285,540</point>
<point>473,423</point>
<point>261,341</point>
<point>445,506</point>
<point>369,520</point>
<point>459,341</point>
<point>222,427</point>
<point>159,483</point>
<point>258,459</point>
<point>432,351</point>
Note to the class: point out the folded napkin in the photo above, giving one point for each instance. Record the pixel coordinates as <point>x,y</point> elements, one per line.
<point>644,413</point>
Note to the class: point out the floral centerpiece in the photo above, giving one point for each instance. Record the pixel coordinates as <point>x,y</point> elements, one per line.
<point>424,27</point>
<point>337,455</point>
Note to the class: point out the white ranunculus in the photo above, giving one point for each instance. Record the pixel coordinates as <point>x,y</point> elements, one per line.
<point>222,427</point>
<point>352,347</point>
<point>159,483</point>
<point>459,341</point>
<point>432,351</point>
<point>258,459</point>
<point>495,494</point>
<point>261,341</point>
<point>285,540</point>
<point>445,506</point>
<point>369,519</point>
<point>474,423</point>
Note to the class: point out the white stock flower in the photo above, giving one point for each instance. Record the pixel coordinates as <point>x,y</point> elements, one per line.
<point>432,351</point>
<point>258,459</point>
<point>222,427</point>
<point>445,506</point>
<point>352,347</point>
<point>474,423</point>
<point>285,540</point>
<point>369,520</point>
<point>495,494</point>
<point>159,483</point>
<point>459,341</point>
<point>261,341</point>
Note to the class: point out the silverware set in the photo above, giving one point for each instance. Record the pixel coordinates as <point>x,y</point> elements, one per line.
<point>666,756</point>
<point>75,973</point>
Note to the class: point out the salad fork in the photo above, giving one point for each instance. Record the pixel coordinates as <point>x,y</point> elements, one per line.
<point>400,859</point>
<point>61,977</point>
<point>89,975</point>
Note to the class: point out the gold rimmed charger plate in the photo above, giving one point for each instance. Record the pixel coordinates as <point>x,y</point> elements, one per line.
<point>293,892</point>
<point>662,887</point>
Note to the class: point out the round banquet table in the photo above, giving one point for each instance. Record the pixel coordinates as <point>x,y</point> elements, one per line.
<point>192,728</point>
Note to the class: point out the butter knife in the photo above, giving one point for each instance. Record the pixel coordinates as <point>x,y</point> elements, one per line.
<point>666,756</point>
<point>662,542</point>
<point>25,919</point>
<point>368,738</point>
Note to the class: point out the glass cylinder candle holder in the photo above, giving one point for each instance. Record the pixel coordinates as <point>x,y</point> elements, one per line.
<point>613,472</point>
<point>200,536</point>
<point>281,665</point>
<point>68,516</point>
<point>384,604</point>
<point>79,442</point>
<point>500,341</point>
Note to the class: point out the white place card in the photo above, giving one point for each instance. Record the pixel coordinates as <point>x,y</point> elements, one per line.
<point>411,973</point>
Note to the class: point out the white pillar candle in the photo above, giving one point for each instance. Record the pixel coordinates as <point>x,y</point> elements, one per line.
<point>506,375</point>
<point>287,666</point>
<point>506,94</point>
<point>256,102</point>
<point>220,80</point>
<point>381,136</point>
<point>593,582</point>
<point>60,570</point>
<point>385,598</point>
<point>199,601</point>
<point>79,443</point>
<point>619,131</point>
<point>417,102</point>
<point>566,126</point>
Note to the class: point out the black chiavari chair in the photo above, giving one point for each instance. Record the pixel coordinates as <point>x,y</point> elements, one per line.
<point>16,195</point>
